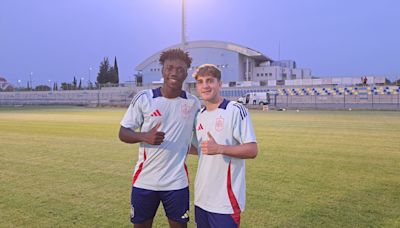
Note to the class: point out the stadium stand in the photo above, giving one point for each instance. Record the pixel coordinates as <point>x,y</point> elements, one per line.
<point>335,97</point>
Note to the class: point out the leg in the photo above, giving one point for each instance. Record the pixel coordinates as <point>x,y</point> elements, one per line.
<point>176,206</point>
<point>224,220</point>
<point>201,218</point>
<point>144,205</point>
<point>174,224</point>
<point>145,224</point>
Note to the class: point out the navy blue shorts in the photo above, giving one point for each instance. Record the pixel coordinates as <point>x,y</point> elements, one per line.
<point>144,204</point>
<point>205,219</point>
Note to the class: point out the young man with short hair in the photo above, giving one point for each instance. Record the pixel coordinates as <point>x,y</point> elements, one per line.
<point>164,117</point>
<point>226,138</point>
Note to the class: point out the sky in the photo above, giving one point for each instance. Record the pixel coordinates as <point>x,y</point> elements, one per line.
<point>57,40</point>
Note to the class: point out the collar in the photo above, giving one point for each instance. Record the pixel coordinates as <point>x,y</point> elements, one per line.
<point>223,105</point>
<point>157,93</point>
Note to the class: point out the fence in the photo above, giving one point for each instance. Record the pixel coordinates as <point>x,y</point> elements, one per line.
<point>119,96</point>
<point>335,97</point>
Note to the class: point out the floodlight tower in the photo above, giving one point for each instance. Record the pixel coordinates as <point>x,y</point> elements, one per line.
<point>183,29</point>
<point>30,80</point>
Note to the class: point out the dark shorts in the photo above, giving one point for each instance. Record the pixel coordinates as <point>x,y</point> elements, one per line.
<point>205,219</point>
<point>144,204</point>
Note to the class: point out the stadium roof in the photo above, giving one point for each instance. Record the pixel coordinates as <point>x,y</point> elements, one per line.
<point>208,44</point>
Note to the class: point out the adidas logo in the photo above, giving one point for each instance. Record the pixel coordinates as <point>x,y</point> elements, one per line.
<point>200,127</point>
<point>186,215</point>
<point>156,113</point>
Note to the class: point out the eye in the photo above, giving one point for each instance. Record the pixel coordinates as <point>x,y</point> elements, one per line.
<point>170,68</point>
<point>180,70</point>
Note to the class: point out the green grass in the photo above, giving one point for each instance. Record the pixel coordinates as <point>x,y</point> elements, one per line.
<point>63,167</point>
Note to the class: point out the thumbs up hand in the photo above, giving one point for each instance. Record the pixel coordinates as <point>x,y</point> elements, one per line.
<point>154,137</point>
<point>210,147</point>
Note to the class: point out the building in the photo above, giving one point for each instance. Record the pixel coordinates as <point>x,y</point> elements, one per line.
<point>4,85</point>
<point>239,65</point>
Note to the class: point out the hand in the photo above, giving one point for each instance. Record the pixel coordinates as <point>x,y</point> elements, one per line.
<point>154,137</point>
<point>210,147</point>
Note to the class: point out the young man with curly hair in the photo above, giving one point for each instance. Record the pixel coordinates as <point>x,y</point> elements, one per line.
<point>161,121</point>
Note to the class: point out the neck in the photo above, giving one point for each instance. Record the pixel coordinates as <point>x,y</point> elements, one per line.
<point>170,92</point>
<point>213,104</point>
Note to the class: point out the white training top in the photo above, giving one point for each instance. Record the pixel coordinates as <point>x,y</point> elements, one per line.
<point>162,167</point>
<point>220,185</point>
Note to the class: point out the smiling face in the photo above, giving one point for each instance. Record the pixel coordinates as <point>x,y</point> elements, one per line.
<point>209,87</point>
<point>174,72</point>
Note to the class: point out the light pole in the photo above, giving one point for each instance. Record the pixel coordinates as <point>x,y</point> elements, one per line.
<point>30,80</point>
<point>49,84</point>
<point>19,82</point>
<point>183,28</point>
<point>90,83</point>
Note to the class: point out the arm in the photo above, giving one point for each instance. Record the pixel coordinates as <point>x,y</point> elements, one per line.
<point>244,151</point>
<point>193,150</point>
<point>152,137</point>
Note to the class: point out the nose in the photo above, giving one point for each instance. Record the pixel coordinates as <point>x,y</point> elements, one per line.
<point>174,71</point>
<point>206,85</point>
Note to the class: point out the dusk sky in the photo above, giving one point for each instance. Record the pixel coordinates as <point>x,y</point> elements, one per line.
<point>57,40</point>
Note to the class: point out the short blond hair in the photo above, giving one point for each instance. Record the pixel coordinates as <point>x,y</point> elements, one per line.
<point>207,69</point>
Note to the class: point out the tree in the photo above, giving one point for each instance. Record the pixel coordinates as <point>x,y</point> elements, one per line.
<point>66,86</point>
<point>80,84</point>
<point>116,73</point>
<point>74,83</point>
<point>107,73</point>
<point>42,88</point>
<point>112,76</point>
<point>102,76</point>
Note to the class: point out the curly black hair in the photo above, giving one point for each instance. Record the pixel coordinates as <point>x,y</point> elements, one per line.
<point>176,54</point>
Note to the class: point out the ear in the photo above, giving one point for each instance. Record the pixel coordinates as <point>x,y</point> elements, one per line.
<point>162,70</point>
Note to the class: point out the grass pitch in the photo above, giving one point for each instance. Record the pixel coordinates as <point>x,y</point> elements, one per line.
<point>66,167</point>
